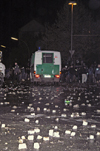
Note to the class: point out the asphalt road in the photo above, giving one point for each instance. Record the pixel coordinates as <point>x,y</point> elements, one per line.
<point>47,117</point>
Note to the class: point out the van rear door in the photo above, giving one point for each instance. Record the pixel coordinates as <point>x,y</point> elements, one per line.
<point>47,66</point>
<point>47,69</point>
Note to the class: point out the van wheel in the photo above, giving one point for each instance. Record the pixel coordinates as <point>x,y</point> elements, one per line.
<point>55,83</point>
<point>35,83</point>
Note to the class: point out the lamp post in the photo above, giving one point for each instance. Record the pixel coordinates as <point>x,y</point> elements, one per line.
<point>72,3</point>
<point>13,38</point>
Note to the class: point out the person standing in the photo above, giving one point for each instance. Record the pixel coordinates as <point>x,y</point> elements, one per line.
<point>72,73</point>
<point>16,72</point>
<point>90,74</point>
<point>84,74</point>
<point>97,74</point>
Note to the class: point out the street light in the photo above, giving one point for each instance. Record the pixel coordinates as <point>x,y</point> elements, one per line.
<point>3,46</point>
<point>13,38</point>
<point>72,3</point>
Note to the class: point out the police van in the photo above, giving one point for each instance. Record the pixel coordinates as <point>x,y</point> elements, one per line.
<point>45,66</point>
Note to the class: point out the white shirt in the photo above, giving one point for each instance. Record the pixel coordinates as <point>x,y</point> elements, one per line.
<point>2,68</point>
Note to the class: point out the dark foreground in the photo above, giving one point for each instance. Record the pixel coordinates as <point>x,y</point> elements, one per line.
<point>47,117</point>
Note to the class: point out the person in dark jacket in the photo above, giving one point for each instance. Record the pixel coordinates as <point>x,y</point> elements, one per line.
<point>16,72</point>
<point>97,74</point>
<point>90,74</point>
<point>71,73</point>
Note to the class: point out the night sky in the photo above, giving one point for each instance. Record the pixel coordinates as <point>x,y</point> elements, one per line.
<point>16,13</point>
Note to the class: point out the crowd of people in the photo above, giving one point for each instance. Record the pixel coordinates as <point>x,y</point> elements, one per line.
<point>17,73</point>
<point>81,74</point>
<point>70,74</point>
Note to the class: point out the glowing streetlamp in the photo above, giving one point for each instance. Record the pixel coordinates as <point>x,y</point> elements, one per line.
<point>3,46</point>
<point>13,38</point>
<point>72,3</point>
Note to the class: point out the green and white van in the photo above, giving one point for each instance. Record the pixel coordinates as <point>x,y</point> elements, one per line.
<point>45,66</point>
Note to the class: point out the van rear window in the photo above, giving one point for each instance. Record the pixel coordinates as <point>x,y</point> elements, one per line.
<point>47,57</point>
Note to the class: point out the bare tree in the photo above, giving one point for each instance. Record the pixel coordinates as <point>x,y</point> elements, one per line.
<point>85,33</point>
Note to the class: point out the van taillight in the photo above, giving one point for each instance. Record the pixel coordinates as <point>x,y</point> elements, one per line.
<point>34,72</point>
<point>37,75</point>
<point>57,76</point>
